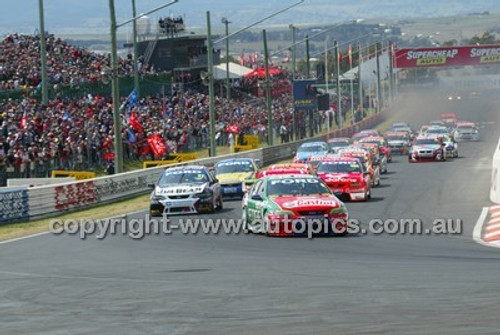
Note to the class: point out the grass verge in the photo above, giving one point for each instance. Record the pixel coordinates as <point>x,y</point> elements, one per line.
<point>42,225</point>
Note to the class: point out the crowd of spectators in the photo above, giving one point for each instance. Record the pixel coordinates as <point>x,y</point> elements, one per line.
<point>67,65</point>
<point>77,133</point>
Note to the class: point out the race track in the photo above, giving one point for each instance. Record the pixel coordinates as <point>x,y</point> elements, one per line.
<point>250,284</point>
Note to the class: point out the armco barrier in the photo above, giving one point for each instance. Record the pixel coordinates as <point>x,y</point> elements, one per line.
<point>495,176</point>
<point>49,200</point>
<point>78,175</point>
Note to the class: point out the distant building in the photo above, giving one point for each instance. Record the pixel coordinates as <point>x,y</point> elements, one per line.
<point>171,50</point>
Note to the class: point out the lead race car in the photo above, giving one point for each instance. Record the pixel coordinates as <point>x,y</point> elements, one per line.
<point>286,206</point>
<point>185,190</point>
<point>232,173</point>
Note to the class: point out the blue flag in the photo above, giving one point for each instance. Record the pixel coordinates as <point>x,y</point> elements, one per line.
<point>132,98</point>
<point>131,136</point>
<point>65,115</point>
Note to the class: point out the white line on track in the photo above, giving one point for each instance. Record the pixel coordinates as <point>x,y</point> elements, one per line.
<point>16,239</point>
<point>478,228</point>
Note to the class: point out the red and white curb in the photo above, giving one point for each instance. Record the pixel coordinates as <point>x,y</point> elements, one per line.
<point>487,229</point>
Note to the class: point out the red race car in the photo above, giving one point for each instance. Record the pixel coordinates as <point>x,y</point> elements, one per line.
<point>382,143</point>
<point>285,169</point>
<point>346,177</point>
<point>449,118</point>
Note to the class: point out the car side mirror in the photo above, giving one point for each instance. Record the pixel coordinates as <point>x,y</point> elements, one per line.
<point>151,185</point>
<point>257,197</point>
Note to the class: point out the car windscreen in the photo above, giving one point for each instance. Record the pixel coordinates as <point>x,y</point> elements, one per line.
<point>426,142</point>
<point>312,148</point>
<point>436,131</point>
<point>334,167</point>
<point>183,177</point>
<point>296,186</point>
<point>234,167</point>
<point>397,138</point>
<point>465,129</point>
<point>339,144</point>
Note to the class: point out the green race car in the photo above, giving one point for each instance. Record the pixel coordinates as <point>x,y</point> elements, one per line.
<point>293,206</point>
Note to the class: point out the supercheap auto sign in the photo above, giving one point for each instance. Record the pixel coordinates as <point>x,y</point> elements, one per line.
<point>447,56</point>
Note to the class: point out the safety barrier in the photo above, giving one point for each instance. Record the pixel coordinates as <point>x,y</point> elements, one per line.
<point>37,202</point>
<point>174,158</point>
<point>495,176</point>
<point>251,142</point>
<point>78,175</point>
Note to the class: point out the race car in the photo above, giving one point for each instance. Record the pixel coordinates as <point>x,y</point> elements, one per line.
<point>450,146</point>
<point>408,130</point>
<point>398,142</point>
<point>185,190</point>
<point>366,133</point>
<point>377,156</point>
<point>436,131</point>
<point>426,149</point>
<point>339,142</point>
<point>466,131</point>
<point>449,118</point>
<point>288,206</point>
<point>232,172</point>
<point>437,123</point>
<point>381,142</point>
<point>400,125</point>
<point>310,149</point>
<point>346,177</point>
<point>366,159</point>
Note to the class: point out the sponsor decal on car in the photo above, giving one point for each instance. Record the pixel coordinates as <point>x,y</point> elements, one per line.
<point>310,202</point>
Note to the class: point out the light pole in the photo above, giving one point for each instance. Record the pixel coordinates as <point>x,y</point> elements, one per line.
<point>211,64</point>
<point>270,131</point>
<point>339,92</point>
<point>115,92</point>
<point>226,22</point>
<point>379,98</point>
<point>43,54</point>
<point>294,116</point>
<point>136,62</point>
<point>294,37</point>
<point>210,70</point>
<point>391,69</point>
<point>308,64</point>
<point>360,83</point>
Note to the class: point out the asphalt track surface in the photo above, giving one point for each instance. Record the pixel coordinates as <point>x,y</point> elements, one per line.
<point>250,284</point>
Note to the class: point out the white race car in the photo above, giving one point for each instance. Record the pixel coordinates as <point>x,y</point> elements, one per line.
<point>466,131</point>
<point>186,190</point>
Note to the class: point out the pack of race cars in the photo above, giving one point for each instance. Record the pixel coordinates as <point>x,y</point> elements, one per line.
<point>321,177</point>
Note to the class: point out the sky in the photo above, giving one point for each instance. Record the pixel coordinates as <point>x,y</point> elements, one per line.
<point>93,15</point>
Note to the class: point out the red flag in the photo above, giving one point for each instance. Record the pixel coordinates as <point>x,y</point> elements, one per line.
<point>349,54</point>
<point>24,121</point>
<point>156,144</point>
<point>134,123</point>
<point>341,57</point>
